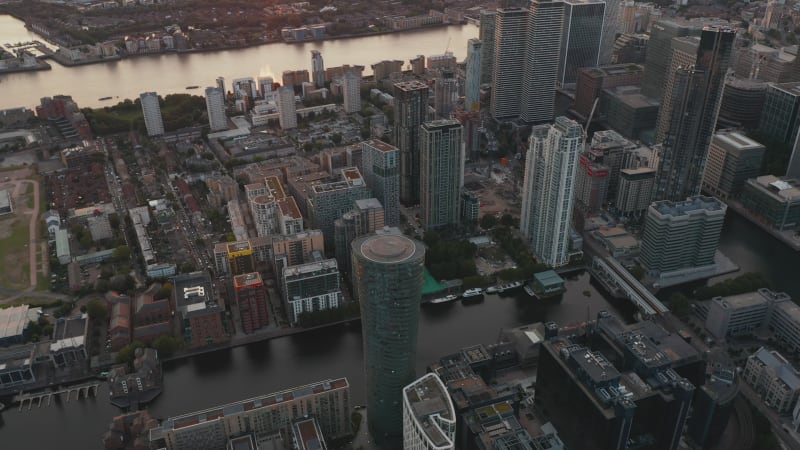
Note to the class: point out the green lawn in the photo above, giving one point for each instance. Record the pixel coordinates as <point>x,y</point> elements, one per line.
<point>14,255</point>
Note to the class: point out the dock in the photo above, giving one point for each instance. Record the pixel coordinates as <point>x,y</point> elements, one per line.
<point>40,397</point>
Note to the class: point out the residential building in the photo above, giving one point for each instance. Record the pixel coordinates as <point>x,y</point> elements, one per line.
<point>366,217</point>
<point>215,107</point>
<point>681,236</point>
<point>591,185</point>
<point>733,158</point>
<point>265,87</point>
<point>152,317</point>
<point>441,173</point>
<point>472,89</point>
<point>352,92</point>
<point>287,112</point>
<point>635,191</point>
<point>307,435</point>
<point>659,53</point>
<point>245,88</point>
<point>327,401</point>
<point>329,200</point>
<point>509,62</point>
<point>317,69</point>
<point>202,318</point>
<point>410,111</point>
<point>151,109</point>
<point>388,273</point>
<point>429,419</point>
<point>240,258</point>
<point>542,53</point>
<point>445,93</point>
<point>382,70</point>
<point>774,378</point>
<point>470,207</point>
<point>773,200</point>
<point>17,366</point>
<point>486,34</point>
<point>381,169</point>
<point>311,287</point>
<point>780,118</point>
<point>295,249</point>
<point>581,38</point>
<point>290,221</point>
<point>612,150</point>
<point>547,193</point>
<point>251,296</point>
<point>695,99</point>
<point>294,78</point>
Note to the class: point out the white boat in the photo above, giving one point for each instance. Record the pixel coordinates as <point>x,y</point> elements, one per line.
<point>503,287</point>
<point>445,299</point>
<point>529,290</point>
<point>493,289</point>
<point>472,292</point>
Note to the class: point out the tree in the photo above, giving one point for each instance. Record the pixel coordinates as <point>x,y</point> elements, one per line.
<point>114,221</point>
<point>164,292</point>
<point>86,241</point>
<point>679,304</point>
<point>128,353</point>
<point>166,346</point>
<point>97,310</point>
<point>336,138</point>
<point>122,253</point>
<point>488,221</point>
<point>122,283</point>
<point>187,267</point>
<point>507,220</point>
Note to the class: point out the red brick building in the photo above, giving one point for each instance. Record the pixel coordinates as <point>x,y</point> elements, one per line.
<point>251,296</point>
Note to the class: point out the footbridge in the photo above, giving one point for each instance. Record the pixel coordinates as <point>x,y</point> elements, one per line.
<point>39,397</point>
<point>616,278</point>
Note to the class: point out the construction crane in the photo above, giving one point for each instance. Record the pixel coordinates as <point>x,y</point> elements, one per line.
<point>589,120</point>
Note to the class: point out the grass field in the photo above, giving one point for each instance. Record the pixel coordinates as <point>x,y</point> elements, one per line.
<point>14,253</point>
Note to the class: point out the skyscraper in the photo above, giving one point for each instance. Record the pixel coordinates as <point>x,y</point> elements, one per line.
<point>472,90</point>
<point>684,55</point>
<point>215,105</point>
<point>681,235</point>
<point>441,172</point>
<point>287,113</point>
<point>541,60</point>
<point>659,53</point>
<point>381,163</point>
<point>580,39</point>
<point>429,418</point>
<point>388,273</point>
<point>410,110</point>
<point>352,92</point>
<point>445,93</point>
<point>486,36</point>
<point>733,158</point>
<point>780,119</point>
<point>317,69</point>
<point>547,191</point>
<point>696,97</point>
<point>221,84</point>
<point>509,62</point>
<point>610,29</point>
<point>152,113</point>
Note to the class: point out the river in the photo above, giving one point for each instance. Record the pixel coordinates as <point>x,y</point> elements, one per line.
<point>171,73</point>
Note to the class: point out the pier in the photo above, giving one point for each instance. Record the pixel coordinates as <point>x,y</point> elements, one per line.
<point>40,397</point>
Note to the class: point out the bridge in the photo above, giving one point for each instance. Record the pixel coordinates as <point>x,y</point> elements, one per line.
<point>617,279</point>
<point>38,397</point>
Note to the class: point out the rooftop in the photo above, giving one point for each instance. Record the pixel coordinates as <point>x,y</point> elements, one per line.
<point>792,88</point>
<point>247,279</point>
<point>388,248</point>
<point>13,321</point>
<point>288,207</point>
<point>379,145</point>
<point>327,265</point>
<point>308,434</point>
<point>368,203</point>
<point>427,398</point>
<point>736,140</point>
<point>783,189</point>
<point>783,369</point>
<point>741,300</point>
<point>5,199</point>
<point>275,187</point>
<point>693,205</point>
<point>239,246</point>
<point>548,277</point>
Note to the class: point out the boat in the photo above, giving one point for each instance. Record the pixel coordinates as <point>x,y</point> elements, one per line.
<point>503,287</point>
<point>192,87</point>
<point>472,292</point>
<point>448,298</point>
<point>529,290</point>
<point>493,289</point>
<point>102,99</point>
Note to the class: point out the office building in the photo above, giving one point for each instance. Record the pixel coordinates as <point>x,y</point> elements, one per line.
<point>611,23</point>
<point>366,217</point>
<point>635,191</point>
<point>780,118</point>
<point>381,163</point>
<point>774,65</point>
<point>774,378</point>
<point>352,92</point>
<point>202,317</point>
<point>683,57</point>
<point>151,109</point>
<point>659,53</point>
<point>251,296</point>
<point>509,62</point>
<point>429,419</point>
<point>410,110</point>
<point>742,314</point>
<point>681,236</point>
<point>733,158</point>
<point>470,207</point>
<point>630,48</point>
<point>592,80</point>
<point>317,69</point>
<point>742,103</point>
<point>773,200</point>
<point>329,200</point>
<point>547,193</point>
<point>441,173</point>
<point>287,112</point>
<point>309,287</point>
<point>696,95</point>
<point>261,417</point>
<point>215,106</point>
<point>488,21</point>
<point>471,132</point>
<point>388,276</point>
<point>630,112</point>
<point>793,169</point>
<point>472,88</point>
<point>542,53</point>
<point>610,149</point>
<point>581,39</point>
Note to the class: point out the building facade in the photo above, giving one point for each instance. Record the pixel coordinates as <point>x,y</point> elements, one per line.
<point>251,296</point>
<point>681,235</point>
<point>780,118</point>
<point>547,195</point>
<point>215,106</point>
<point>581,38</point>
<point>311,287</point>
<point>773,200</point>
<point>287,112</point>
<point>488,21</point>
<point>429,418</point>
<point>151,109</point>
<point>774,378</point>
<point>317,69</point>
<point>635,191</point>
<point>509,62</point>
<point>540,74</point>
<point>388,276</point>
<point>381,163</point>
<point>352,92</point>
<point>733,158</point>
<point>441,172</point>
<point>472,88</point>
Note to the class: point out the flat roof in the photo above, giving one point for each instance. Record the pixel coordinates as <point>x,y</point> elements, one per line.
<point>288,207</point>
<point>428,400</point>
<point>689,206</point>
<point>247,279</point>
<point>13,321</point>
<point>783,369</point>
<point>737,140</point>
<point>548,277</point>
<point>379,145</point>
<point>388,248</point>
<point>5,199</point>
<point>741,300</point>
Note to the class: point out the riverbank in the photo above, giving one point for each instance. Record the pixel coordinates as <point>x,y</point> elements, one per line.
<point>789,238</point>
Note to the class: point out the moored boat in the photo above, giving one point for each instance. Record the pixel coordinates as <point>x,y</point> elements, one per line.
<point>472,292</point>
<point>445,299</point>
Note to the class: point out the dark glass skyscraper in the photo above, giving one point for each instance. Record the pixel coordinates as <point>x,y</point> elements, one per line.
<point>410,110</point>
<point>388,275</point>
